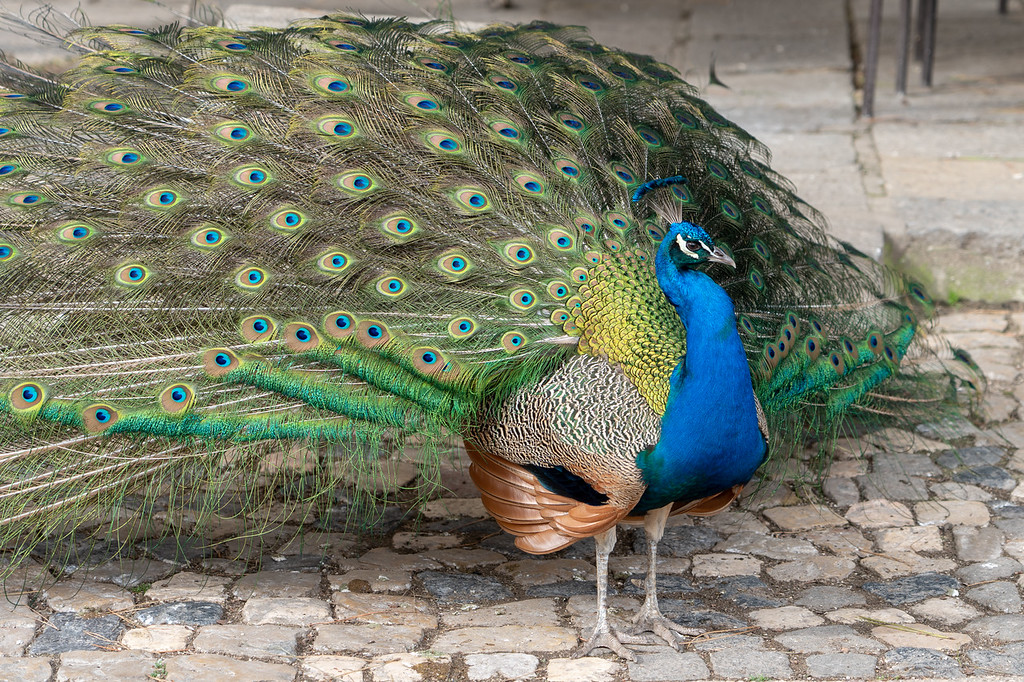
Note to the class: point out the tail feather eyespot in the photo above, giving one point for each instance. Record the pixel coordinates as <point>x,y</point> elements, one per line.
<point>100,417</point>
<point>75,232</point>
<point>513,342</point>
<point>218,362</point>
<point>334,263</point>
<point>28,397</point>
<point>339,324</point>
<point>462,327</point>
<point>300,337</point>
<point>177,398</point>
<point>257,328</point>
<point>372,333</point>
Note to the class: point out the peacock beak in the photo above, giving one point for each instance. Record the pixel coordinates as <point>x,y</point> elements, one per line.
<point>719,256</point>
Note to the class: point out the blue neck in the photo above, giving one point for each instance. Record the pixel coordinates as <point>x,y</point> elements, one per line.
<point>710,439</point>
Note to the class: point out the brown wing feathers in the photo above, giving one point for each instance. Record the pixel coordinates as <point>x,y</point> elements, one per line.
<point>543,521</point>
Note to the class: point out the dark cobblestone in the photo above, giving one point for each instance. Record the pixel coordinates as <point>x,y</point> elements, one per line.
<point>987,477</point>
<point>681,541</point>
<point>463,587</point>
<point>181,613</point>
<point>913,662</point>
<point>70,632</point>
<point>971,457</point>
<point>913,588</point>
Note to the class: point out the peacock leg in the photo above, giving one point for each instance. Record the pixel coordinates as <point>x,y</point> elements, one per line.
<point>650,618</point>
<point>603,635</point>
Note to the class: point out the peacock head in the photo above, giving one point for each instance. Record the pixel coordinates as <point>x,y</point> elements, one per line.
<point>687,245</point>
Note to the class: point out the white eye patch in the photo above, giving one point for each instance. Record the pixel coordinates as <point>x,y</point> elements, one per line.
<point>681,243</point>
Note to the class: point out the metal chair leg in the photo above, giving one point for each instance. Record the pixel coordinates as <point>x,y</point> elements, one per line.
<point>928,56</point>
<point>919,31</point>
<point>904,56</point>
<point>871,58</point>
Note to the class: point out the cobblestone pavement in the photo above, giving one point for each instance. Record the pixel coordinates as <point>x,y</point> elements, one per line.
<point>909,565</point>
<point>906,562</point>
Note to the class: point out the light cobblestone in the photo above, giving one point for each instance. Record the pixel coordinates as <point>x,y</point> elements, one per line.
<point>276,585</point>
<point>526,612</point>
<point>286,611</point>
<point>247,640</point>
<point>18,615</point>
<point>897,564</point>
<point>382,557</point>
<point>410,667</point>
<point>978,544</point>
<point>372,580</point>
<point>466,559</point>
<point>215,668</point>
<point>382,609</point>
<point>879,513</point>
<point>29,669</point>
<point>722,565</point>
<point>506,666</point>
<point>853,616</point>
<point>587,669</point>
<point>511,638</point>
<point>909,539</point>
<point>945,610</point>
<point>922,637</point>
<point>334,668</point>
<point>785,618</point>
<point>187,586</point>
<point>101,666</point>
<point>424,542</point>
<point>545,571</point>
<point>157,638</point>
<point>813,568</point>
<point>87,598</point>
<point>952,512</point>
<point>804,517</point>
<point>370,639</point>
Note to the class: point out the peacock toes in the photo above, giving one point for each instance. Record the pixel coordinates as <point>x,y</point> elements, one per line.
<point>649,618</point>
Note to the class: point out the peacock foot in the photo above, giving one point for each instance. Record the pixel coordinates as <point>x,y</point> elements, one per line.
<point>607,638</point>
<point>651,620</point>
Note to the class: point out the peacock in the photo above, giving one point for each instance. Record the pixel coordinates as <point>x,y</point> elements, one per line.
<point>218,245</point>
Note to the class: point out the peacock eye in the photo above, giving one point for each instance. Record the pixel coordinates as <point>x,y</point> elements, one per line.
<point>693,246</point>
